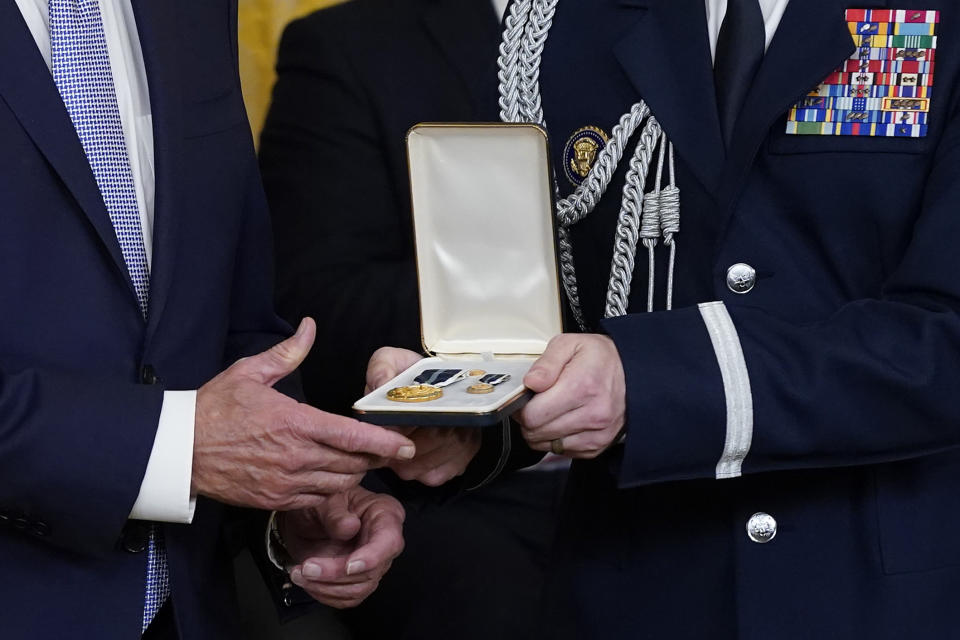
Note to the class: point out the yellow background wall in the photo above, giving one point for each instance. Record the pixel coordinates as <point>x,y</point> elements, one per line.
<point>261,23</point>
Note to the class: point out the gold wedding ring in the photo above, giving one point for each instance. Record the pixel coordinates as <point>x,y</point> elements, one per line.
<point>415,393</point>
<point>480,387</point>
<point>556,446</point>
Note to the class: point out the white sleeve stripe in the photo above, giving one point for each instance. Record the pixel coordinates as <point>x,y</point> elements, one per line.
<point>736,388</point>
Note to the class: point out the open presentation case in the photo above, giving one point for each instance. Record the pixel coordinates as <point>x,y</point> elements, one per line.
<point>482,198</point>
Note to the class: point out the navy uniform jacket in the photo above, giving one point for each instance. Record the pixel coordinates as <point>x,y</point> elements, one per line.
<point>81,374</point>
<point>844,425</point>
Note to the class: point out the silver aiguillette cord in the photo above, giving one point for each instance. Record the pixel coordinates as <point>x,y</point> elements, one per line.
<point>525,33</point>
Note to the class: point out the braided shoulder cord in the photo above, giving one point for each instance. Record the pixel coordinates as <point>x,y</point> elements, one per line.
<point>629,222</point>
<point>534,38</point>
<point>525,33</point>
<point>509,60</point>
<point>579,204</point>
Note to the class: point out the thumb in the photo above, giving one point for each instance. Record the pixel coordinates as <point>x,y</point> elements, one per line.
<point>546,370</point>
<point>386,363</point>
<point>282,359</point>
<point>337,520</point>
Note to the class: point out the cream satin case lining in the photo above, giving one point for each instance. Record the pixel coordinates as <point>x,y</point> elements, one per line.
<point>486,267</point>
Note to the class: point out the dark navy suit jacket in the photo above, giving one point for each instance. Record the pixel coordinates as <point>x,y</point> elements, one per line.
<point>851,339</point>
<point>81,374</point>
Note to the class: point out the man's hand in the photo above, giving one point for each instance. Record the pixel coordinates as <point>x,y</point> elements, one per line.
<point>255,447</point>
<point>344,546</point>
<point>387,363</point>
<point>580,405</point>
<point>442,454</point>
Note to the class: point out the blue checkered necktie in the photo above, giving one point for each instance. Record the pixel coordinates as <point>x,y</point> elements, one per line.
<point>81,69</point>
<point>80,63</point>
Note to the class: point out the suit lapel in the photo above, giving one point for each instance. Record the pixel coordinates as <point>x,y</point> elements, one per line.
<point>156,24</point>
<point>667,58</point>
<point>28,89</point>
<point>812,40</point>
<point>469,50</point>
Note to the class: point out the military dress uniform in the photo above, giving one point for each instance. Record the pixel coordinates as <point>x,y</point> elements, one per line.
<point>791,467</point>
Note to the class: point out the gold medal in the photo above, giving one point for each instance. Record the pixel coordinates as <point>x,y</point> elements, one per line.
<point>480,387</point>
<point>416,393</point>
<point>473,373</point>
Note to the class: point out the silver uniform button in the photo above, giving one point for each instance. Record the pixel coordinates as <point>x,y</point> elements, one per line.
<point>761,528</point>
<point>741,278</point>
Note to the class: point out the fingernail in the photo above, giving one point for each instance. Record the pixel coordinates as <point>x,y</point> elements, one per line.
<point>357,566</point>
<point>312,571</point>
<point>296,577</point>
<point>407,452</point>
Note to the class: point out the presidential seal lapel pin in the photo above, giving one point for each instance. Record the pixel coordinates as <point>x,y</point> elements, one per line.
<point>885,88</point>
<point>581,152</point>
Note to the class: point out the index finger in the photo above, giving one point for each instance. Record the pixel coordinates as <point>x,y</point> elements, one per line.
<point>352,436</point>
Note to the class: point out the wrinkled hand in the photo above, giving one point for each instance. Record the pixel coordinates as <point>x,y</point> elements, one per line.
<point>255,447</point>
<point>581,396</point>
<point>442,454</point>
<point>344,546</point>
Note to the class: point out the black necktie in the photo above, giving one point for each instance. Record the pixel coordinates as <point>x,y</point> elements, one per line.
<point>740,49</point>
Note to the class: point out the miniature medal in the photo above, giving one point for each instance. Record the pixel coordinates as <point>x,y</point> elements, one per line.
<point>581,152</point>
<point>475,373</point>
<point>415,393</point>
<point>488,383</point>
<point>480,387</point>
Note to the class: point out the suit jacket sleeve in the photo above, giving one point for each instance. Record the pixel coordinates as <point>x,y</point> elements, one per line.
<point>721,390</point>
<point>72,454</point>
<point>344,251</point>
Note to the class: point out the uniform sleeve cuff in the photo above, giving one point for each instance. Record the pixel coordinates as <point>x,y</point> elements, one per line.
<point>689,410</point>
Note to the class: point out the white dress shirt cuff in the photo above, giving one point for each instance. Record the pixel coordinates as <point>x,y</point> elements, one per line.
<point>165,490</point>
